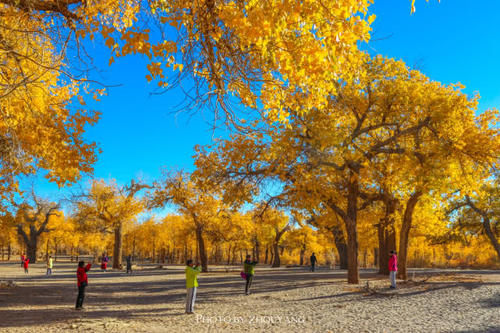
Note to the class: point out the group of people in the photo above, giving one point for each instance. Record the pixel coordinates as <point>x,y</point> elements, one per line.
<point>192,270</point>
<point>25,262</point>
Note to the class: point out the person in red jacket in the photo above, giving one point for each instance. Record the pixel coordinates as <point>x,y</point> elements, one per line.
<point>26,263</point>
<point>393,268</point>
<point>82,282</point>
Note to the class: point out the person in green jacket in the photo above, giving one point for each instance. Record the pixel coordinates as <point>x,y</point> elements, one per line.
<point>192,272</point>
<point>249,268</point>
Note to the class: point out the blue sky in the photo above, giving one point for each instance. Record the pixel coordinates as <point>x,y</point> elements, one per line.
<point>451,41</point>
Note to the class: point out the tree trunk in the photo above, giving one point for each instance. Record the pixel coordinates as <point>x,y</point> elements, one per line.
<point>375,256</point>
<point>276,261</point>
<point>31,247</point>
<point>302,254</point>
<point>47,250</point>
<point>233,256</point>
<point>117,251</point>
<point>383,267</point>
<point>55,249</point>
<point>491,235</point>
<point>266,256</point>
<point>153,256</point>
<point>201,249</point>
<point>404,234</point>
<point>272,256</point>
<point>386,233</point>
<point>486,225</point>
<point>9,250</point>
<point>163,255</point>
<point>133,248</point>
<point>340,244</point>
<point>352,232</point>
<point>229,254</point>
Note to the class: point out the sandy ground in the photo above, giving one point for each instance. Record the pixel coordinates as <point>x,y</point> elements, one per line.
<point>282,300</point>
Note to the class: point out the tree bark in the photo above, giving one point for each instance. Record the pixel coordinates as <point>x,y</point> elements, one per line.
<point>279,233</point>
<point>404,234</point>
<point>386,243</point>
<point>486,226</point>
<point>257,250</point>
<point>31,249</point>
<point>491,235</point>
<point>340,244</point>
<point>352,232</point>
<point>276,261</point>
<point>302,254</point>
<point>201,249</point>
<point>163,255</point>
<point>55,249</point>
<point>266,256</point>
<point>118,248</point>
<point>133,248</point>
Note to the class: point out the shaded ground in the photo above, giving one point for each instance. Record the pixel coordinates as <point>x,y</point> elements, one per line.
<point>286,299</point>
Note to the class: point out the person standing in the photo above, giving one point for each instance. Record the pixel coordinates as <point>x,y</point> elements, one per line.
<point>26,263</point>
<point>249,269</point>
<point>23,258</point>
<point>192,272</point>
<point>49,266</point>
<point>82,282</point>
<point>313,261</point>
<point>129,264</point>
<point>104,262</point>
<point>393,268</point>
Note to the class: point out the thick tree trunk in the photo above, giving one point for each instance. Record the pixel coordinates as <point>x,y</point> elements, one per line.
<point>340,244</point>
<point>387,243</point>
<point>257,250</point>
<point>153,256</point>
<point>266,255</point>
<point>163,255</point>
<point>233,256</point>
<point>272,256</point>
<point>133,248</point>
<point>55,249</point>
<point>201,249</point>
<point>30,241</point>
<point>404,235</point>
<point>302,254</point>
<point>229,255</point>
<point>47,250</point>
<point>352,233</point>
<point>387,234</point>
<point>118,247</point>
<point>491,235</point>
<point>276,261</point>
<point>31,247</point>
